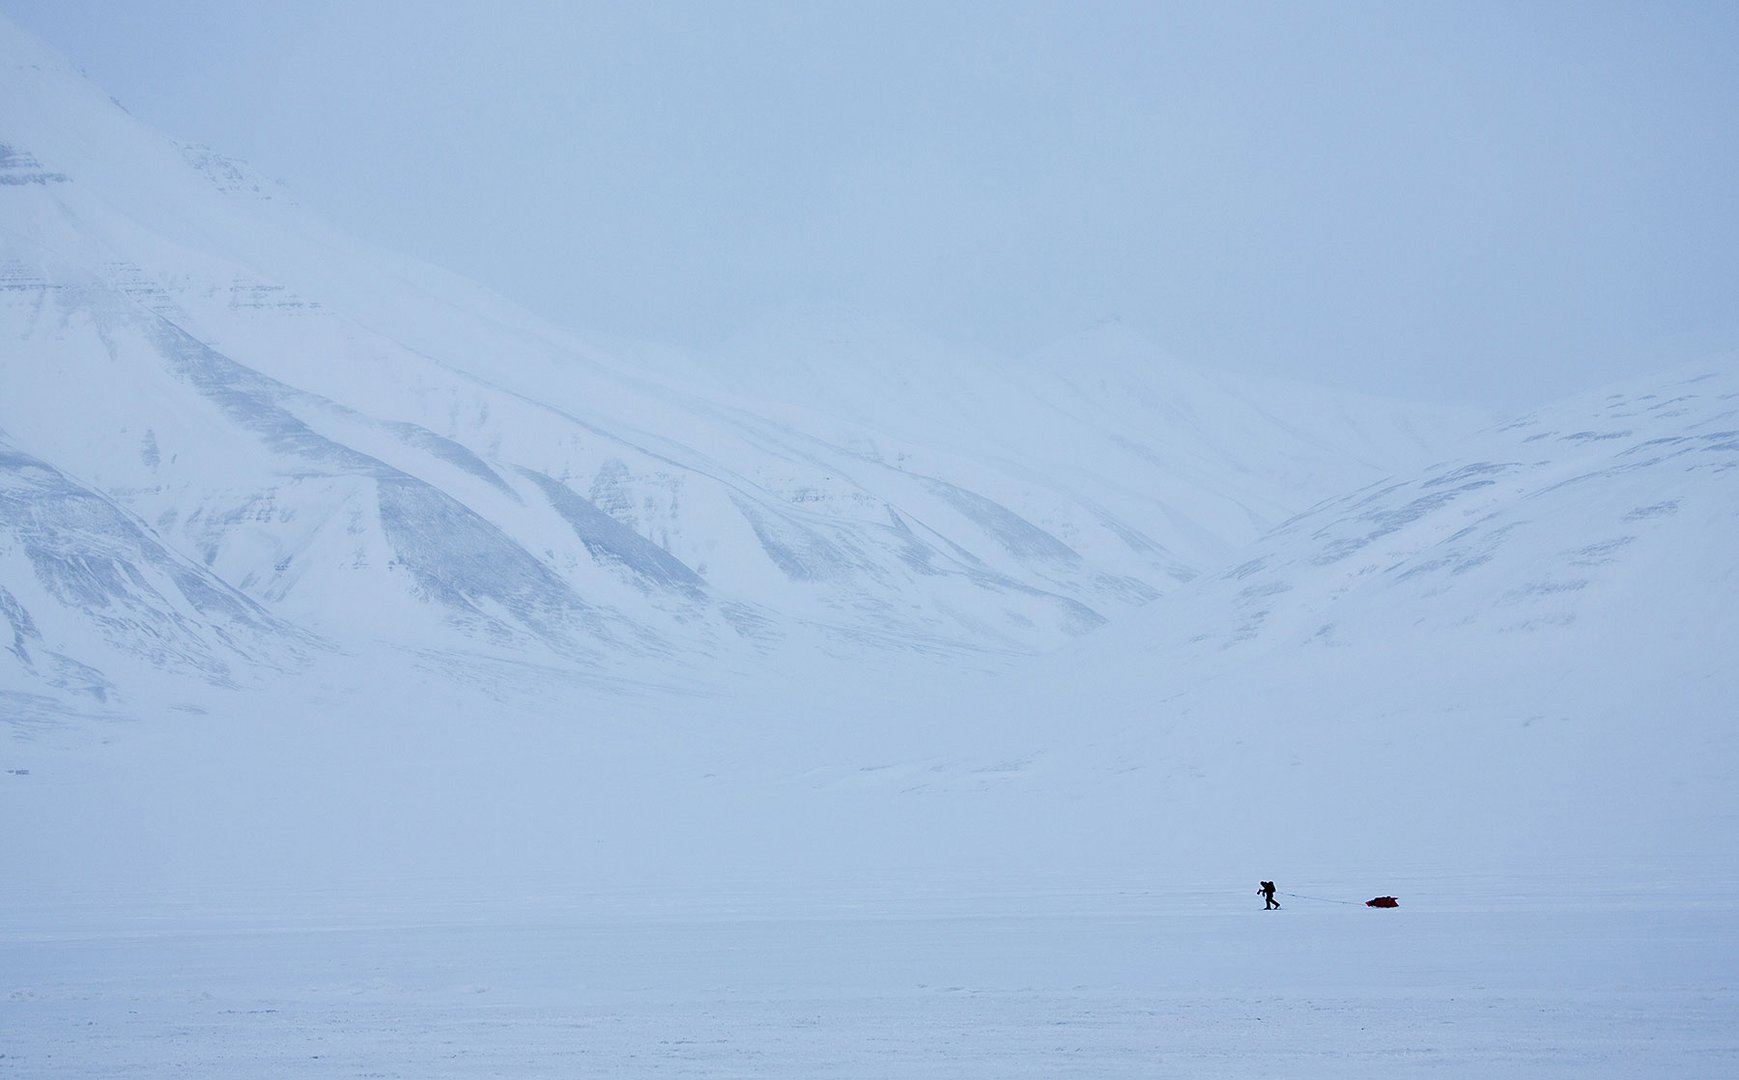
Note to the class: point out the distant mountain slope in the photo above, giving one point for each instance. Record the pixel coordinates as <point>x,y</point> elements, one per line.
<point>372,449</point>
<point>1593,509</point>
<point>88,595</point>
<point>1522,655</point>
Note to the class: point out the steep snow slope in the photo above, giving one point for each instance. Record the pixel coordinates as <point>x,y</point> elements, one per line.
<point>1105,414</point>
<point>80,577</point>
<point>372,449</point>
<point>1596,510</point>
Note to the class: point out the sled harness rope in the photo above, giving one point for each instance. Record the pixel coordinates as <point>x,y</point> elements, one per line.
<point>1319,899</point>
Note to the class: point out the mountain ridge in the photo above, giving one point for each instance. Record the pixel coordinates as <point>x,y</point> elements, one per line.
<point>372,449</point>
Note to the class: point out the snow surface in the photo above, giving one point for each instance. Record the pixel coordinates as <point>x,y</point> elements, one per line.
<point>393,685</point>
<point>1487,978</point>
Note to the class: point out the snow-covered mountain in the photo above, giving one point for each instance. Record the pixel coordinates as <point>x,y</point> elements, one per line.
<point>344,446</point>
<point>378,661</point>
<point>1520,656</point>
<point>1599,509</point>
<point>105,588</point>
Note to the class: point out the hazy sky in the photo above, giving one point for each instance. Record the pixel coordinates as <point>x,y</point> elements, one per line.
<point>1474,201</point>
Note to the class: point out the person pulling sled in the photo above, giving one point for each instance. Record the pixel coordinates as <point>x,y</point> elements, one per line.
<point>1267,894</point>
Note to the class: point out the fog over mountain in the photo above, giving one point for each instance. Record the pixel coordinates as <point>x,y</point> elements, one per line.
<point>312,423</point>
<point>1487,203</point>
<point>371,647</point>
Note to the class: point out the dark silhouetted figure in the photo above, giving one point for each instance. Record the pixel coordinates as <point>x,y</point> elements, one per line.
<point>1267,891</point>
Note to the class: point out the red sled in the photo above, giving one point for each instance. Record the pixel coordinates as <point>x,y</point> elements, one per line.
<point>1383,901</point>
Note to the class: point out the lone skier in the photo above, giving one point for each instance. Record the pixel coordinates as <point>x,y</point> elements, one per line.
<point>1267,892</point>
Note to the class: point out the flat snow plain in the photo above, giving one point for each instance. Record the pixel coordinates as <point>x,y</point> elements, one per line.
<point>1493,978</point>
